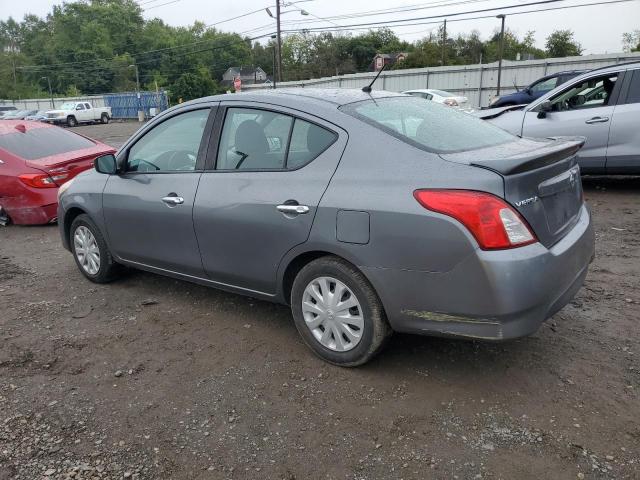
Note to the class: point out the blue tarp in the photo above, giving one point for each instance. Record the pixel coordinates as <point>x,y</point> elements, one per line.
<point>125,105</point>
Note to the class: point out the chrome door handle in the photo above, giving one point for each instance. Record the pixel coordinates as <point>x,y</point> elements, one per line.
<point>172,201</point>
<point>293,209</point>
<point>597,120</point>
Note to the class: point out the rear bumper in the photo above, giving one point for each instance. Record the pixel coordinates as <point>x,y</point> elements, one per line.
<point>491,295</point>
<point>31,206</point>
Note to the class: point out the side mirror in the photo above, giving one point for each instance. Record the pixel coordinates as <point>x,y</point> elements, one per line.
<point>78,107</point>
<point>106,164</point>
<point>543,108</point>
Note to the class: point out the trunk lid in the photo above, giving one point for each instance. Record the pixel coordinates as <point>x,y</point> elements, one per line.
<point>541,181</point>
<point>63,167</point>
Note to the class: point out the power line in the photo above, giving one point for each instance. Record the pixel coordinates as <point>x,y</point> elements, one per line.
<point>565,7</point>
<point>492,9</point>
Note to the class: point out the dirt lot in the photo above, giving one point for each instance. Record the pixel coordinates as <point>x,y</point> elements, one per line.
<point>153,378</point>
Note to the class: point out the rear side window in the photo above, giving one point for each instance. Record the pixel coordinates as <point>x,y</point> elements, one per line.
<point>255,139</point>
<point>428,125</point>
<point>633,96</point>
<point>42,142</point>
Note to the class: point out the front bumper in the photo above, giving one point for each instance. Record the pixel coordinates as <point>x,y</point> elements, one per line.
<point>490,295</point>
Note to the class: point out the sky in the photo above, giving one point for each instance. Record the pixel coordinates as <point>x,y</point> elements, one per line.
<point>598,28</point>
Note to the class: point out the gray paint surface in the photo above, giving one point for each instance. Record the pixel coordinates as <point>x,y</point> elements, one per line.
<point>427,268</point>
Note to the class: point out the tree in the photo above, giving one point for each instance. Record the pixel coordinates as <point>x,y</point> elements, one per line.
<point>562,44</point>
<point>631,41</point>
<point>194,85</point>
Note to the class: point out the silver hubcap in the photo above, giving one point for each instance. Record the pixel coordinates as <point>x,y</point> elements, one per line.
<point>87,251</point>
<point>333,314</point>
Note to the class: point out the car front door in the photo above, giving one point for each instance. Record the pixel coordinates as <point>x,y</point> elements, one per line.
<point>582,108</point>
<point>258,198</point>
<point>623,150</point>
<point>148,207</point>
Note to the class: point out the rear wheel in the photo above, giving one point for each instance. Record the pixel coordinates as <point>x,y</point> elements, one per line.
<point>338,313</point>
<point>71,121</point>
<point>104,118</point>
<point>90,251</point>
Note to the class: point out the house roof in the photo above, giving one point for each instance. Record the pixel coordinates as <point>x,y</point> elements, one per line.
<point>245,71</point>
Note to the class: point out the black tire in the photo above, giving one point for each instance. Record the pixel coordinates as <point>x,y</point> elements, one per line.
<point>71,121</point>
<point>108,269</point>
<point>104,119</point>
<point>376,328</point>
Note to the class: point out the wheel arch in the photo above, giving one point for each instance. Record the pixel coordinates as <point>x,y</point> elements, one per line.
<point>298,258</point>
<point>69,216</point>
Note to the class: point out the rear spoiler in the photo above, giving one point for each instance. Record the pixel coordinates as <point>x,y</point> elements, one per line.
<point>547,154</point>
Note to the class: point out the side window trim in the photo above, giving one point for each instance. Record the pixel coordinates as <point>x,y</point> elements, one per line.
<point>211,161</point>
<point>123,155</point>
<point>630,76</point>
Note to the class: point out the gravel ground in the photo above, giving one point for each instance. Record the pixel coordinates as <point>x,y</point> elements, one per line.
<point>153,378</point>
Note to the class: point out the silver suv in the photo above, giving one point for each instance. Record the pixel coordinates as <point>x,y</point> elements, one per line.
<point>602,105</point>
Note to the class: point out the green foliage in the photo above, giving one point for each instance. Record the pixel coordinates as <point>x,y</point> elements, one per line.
<point>90,47</point>
<point>631,41</point>
<point>193,85</point>
<point>562,44</point>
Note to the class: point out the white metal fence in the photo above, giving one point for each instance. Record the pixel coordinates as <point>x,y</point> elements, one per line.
<point>477,82</point>
<point>46,103</point>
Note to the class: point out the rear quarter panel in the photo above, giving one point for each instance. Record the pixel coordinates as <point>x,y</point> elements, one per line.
<point>378,175</point>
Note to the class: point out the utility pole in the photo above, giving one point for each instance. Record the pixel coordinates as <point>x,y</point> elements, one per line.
<point>273,38</point>
<point>501,17</point>
<point>50,91</point>
<point>279,40</point>
<point>444,43</point>
<point>140,112</point>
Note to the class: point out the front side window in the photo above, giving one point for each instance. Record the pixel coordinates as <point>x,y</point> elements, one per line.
<point>170,146</point>
<point>590,93</point>
<point>80,107</point>
<point>428,125</point>
<point>255,139</point>
<point>544,85</point>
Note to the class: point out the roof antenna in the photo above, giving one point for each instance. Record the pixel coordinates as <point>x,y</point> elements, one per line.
<point>367,89</point>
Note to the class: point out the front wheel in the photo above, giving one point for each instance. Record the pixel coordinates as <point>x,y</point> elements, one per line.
<point>90,251</point>
<point>71,121</point>
<point>338,313</point>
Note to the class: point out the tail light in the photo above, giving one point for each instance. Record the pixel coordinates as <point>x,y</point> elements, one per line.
<point>450,102</point>
<point>43,180</point>
<point>492,221</point>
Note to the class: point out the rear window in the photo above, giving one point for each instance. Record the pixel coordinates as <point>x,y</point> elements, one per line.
<point>428,125</point>
<point>42,142</point>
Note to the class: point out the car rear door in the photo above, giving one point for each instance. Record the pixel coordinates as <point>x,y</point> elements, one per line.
<point>148,207</point>
<point>570,117</point>
<point>267,170</point>
<point>623,150</point>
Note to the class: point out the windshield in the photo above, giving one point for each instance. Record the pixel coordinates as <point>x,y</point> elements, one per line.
<point>68,106</point>
<point>428,125</point>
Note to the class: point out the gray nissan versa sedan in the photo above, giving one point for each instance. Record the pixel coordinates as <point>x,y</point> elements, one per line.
<point>366,212</point>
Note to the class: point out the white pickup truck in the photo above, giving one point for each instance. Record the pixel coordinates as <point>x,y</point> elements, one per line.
<point>73,113</point>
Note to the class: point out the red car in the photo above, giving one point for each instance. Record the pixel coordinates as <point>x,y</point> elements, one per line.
<point>35,159</point>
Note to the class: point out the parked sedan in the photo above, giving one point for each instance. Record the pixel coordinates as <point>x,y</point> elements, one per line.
<point>535,90</point>
<point>602,105</point>
<point>19,114</point>
<point>39,116</point>
<point>440,96</point>
<point>35,159</point>
<point>367,213</point>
